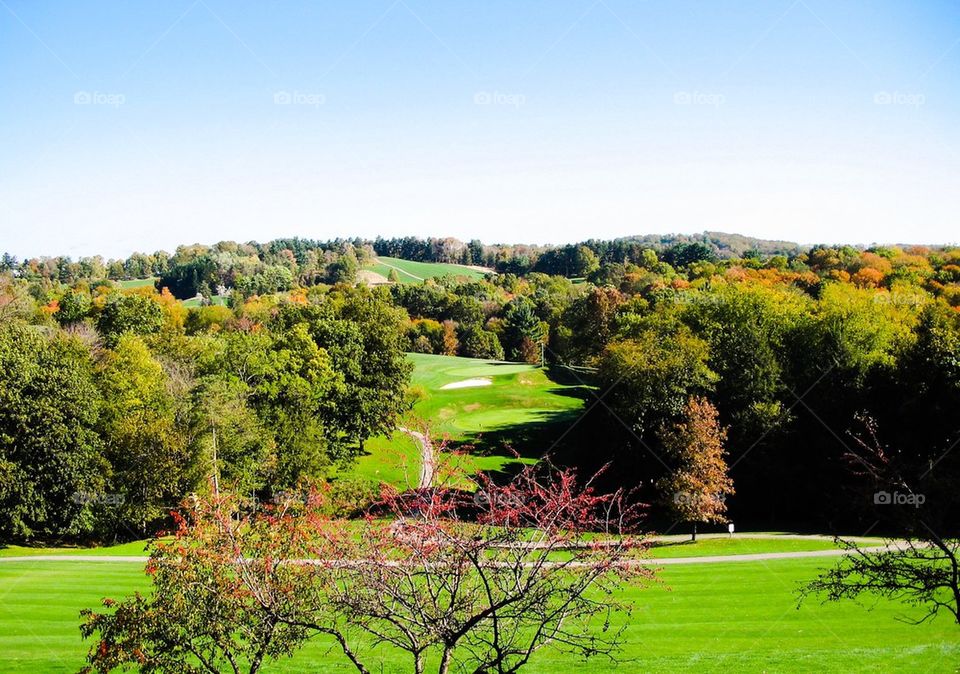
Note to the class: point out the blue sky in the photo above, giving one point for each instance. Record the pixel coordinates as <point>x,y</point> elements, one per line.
<point>143,125</point>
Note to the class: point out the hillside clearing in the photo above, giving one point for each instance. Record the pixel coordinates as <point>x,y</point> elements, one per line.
<point>409,271</point>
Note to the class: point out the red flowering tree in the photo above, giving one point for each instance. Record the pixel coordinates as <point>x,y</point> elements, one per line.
<point>477,580</point>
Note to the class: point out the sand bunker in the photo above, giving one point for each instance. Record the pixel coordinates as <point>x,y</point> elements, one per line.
<point>467,383</point>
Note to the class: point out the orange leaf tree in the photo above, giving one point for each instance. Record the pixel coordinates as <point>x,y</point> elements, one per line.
<point>697,489</point>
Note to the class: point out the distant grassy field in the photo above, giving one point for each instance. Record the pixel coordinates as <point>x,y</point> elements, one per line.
<point>738,617</point>
<point>522,408</point>
<point>216,300</point>
<point>129,284</point>
<point>518,394</point>
<point>415,272</point>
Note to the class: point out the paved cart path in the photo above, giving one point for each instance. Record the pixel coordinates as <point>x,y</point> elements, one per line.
<point>428,459</point>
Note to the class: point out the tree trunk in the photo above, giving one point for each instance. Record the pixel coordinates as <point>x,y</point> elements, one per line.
<point>693,539</point>
<point>445,661</point>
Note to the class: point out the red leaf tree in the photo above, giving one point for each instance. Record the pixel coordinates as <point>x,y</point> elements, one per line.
<point>475,579</point>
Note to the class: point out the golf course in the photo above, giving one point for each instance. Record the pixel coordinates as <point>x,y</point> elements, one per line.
<point>703,614</point>
<point>421,337</point>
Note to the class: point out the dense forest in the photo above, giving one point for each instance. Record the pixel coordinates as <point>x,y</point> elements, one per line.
<point>116,401</point>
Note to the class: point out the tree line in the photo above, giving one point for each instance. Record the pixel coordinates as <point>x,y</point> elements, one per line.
<point>109,417</point>
<point>784,351</point>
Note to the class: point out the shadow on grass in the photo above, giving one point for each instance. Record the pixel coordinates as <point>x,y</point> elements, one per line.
<point>564,435</point>
<point>567,377</point>
<point>558,434</point>
<point>672,544</point>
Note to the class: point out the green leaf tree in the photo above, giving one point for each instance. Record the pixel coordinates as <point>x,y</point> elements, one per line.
<point>133,312</point>
<point>50,453</point>
<point>144,427</point>
<point>523,333</point>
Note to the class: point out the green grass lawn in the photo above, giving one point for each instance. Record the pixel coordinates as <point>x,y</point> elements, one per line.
<point>522,408</point>
<point>134,549</point>
<point>704,618</point>
<point>415,272</point>
<point>518,394</point>
<point>741,544</point>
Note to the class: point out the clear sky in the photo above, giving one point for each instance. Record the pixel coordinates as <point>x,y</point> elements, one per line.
<point>142,125</point>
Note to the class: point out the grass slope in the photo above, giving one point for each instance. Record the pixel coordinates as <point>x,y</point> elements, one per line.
<point>709,618</point>
<point>518,394</point>
<point>132,284</point>
<point>415,272</point>
<point>522,408</point>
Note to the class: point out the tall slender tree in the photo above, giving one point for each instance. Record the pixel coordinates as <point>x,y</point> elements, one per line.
<point>697,489</point>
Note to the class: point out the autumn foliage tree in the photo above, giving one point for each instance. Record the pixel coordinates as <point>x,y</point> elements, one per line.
<point>696,490</point>
<point>448,578</point>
